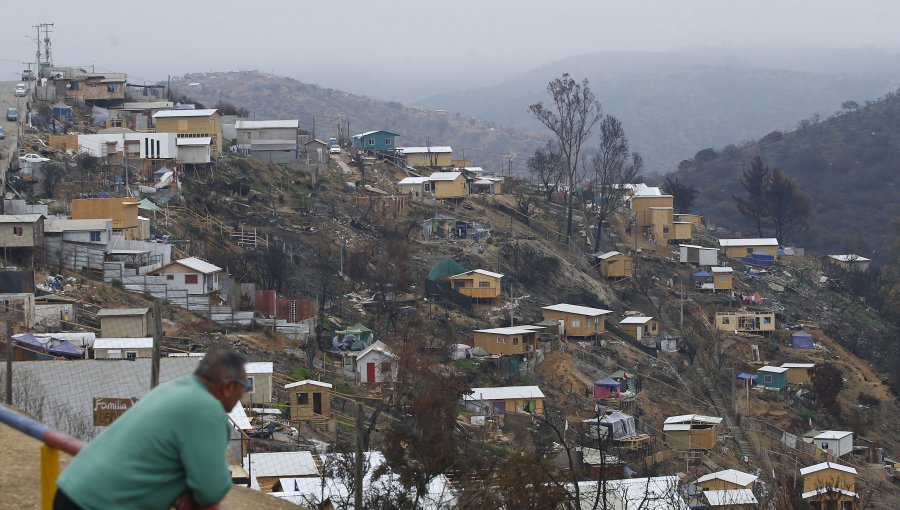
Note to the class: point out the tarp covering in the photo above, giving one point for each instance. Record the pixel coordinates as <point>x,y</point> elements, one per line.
<point>759,259</point>
<point>607,381</point>
<point>802,340</point>
<point>479,351</point>
<point>446,267</point>
<point>30,341</point>
<point>746,376</point>
<point>621,424</point>
<point>147,205</point>
<point>65,348</point>
<point>701,274</point>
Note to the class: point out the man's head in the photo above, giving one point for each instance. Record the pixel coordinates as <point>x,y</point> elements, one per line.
<point>223,373</point>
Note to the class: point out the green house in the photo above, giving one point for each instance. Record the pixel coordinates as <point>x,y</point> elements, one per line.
<point>772,377</point>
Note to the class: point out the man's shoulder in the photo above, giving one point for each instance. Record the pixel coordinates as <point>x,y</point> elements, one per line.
<point>190,392</point>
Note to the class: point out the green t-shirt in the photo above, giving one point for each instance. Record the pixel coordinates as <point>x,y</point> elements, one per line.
<point>174,438</point>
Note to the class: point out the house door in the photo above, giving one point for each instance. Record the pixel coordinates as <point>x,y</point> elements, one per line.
<point>370,373</point>
<point>317,403</point>
<point>639,332</point>
<point>500,407</point>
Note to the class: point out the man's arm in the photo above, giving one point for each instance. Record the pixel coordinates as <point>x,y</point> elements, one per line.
<point>203,446</point>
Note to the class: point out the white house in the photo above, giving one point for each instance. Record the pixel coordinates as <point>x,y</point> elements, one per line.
<point>699,255</point>
<point>97,232</point>
<point>836,443</point>
<point>417,187</point>
<point>123,348</point>
<point>195,150</point>
<point>196,276</point>
<point>132,145</point>
<point>259,375</point>
<point>376,364</point>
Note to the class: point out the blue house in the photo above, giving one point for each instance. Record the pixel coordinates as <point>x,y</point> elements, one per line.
<point>772,377</point>
<point>375,141</point>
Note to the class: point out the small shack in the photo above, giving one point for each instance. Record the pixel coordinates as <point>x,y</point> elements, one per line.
<point>835,443</point>
<point>723,278</point>
<point>726,480</point>
<point>259,375</point>
<point>770,377</point>
<point>691,432</point>
<point>698,255</point>
<point>478,284</point>
<point>309,398</point>
<point>506,399</point>
<point>123,348</point>
<point>126,322</point>
<point>614,264</point>
<point>829,485</point>
<point>63,112</point>
<point>376,364</point>
<point>802,340</point>
<point>799,373</point>
<point>606,388</point>
<point>640,327</point>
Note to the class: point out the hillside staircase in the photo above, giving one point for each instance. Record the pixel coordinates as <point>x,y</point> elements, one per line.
<point>718,400</point>
<point>244,238</point>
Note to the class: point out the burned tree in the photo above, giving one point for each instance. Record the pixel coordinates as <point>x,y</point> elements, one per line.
<point>614,166</point>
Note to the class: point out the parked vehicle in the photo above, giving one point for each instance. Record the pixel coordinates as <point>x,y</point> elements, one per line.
<point>21,90</point>
<point>27,75</point>
<point>2,133</point>
<point>33,158</point>
<point>334,149</point>
<point>12,114</point>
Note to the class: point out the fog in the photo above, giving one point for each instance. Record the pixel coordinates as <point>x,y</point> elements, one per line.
<point>407,50</point>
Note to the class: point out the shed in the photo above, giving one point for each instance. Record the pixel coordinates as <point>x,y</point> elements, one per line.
<point>723,278</point>
<point>802,340</point>
<point>691,431</point>
<point>829,484</point>
<point>309,398</point>
<point>127,322</point>
<point>699,255</point>
<point>506,399</point>
<point>799,373</point>
<point>836,443</point>
<point>614,264</point>
<point>731,499</point>
<point>508,341</point>
<point>726,479</point>
<point>772,377</point>
<point>737,248</point>
<point>640,327</point>
<point>606,387</point>
<point>62,111</point>
<point>376,364</point>
<point>259,375</point>
<point>123,348</point>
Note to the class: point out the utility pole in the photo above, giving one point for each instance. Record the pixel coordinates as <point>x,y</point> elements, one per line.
<point>157,338</point>
<point>358,461</point>
<point>681,293</point>
<point>47,29</point>
<point>9,357</point>
<point>37,54</point>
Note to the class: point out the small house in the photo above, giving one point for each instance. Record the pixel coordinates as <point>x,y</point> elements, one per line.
<point>192,124</point>
<point>761,323</point>
<point>509,341</point>
<point>275,141</point>
<point>376,364</point>
<point>127,322</point>
<point>432,157</point>
<point>477,284</point>
<point>850,262</point>
<point>723,278</point>
<point>22,231</point>
<point>681,231</point>
<point>96,232</point>
<point>643,205</point>
<point>613,264</point>
<point>731,499</point>
<point>267,468</point>
<point>375,141</point>
<point>835,443</point>
<point>772,377</point>
<point>726,480</point>
<point>606,388</point>
<point>449,185</point>
<point>123,348</point>
<point>316,150</point>
<point>640,327</point>
<point>799,373</point>
<point>196,276</point>
<point>195,150</point>
<point>829,485</point>
<point>416,187</point>
<point>577,321</point>
<point>698,255</point>
<point>691,432</point>
<point>802,340</point>
<point>309,398</point>
<point>694,219</point>
<point>739,248</point>
<point>506,399</point>
<point>259,375</point>
<point>611,425</point>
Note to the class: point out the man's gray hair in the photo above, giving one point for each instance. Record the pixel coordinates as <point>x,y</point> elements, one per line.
<point>220,365</point>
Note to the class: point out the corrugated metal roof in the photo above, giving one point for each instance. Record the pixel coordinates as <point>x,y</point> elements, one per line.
<point>239,417</point>
<point>198,265</point>
<point>691,418</point>
<point>769,368</point>
<point>444,176</point>
<point>721,269</point>
<point>798,365</point>
<point>259,367</point>
<point>184,113</point>
<point>267,124</point>
<point>579,310</point>
<point>149,105</point>
<point>765,241</point>
<point>607,255</point>
<point>636,320</point>
<point>729,475</point>
<point>849,257</point>
<point>299,463</point>
<point>308,381</point>
<point>825,490</point>
<point>730,497</point>
<point>833,434</point>
<point>412,180</point>
<point>827,465</point>
<point>122,312</point>
<point>20,218</point>
<point>426,150</point>
<point>480,271</point>
<point>123,343</point>
<point>696,246</point>
<point>66,225</point>
<point>505,393</point>
<point>511,330</point>
<point>193,141</point>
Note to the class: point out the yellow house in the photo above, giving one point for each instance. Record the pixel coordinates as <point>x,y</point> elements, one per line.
<point>505,399</point>
<point>661,223</point>
<point>691,432</point>
<point>477,284</point>
<point>433,157</point>
<point>514,340</point>
<point>830,485</point>
<point>746,322</point>
<point>798,373</point>
<point>192,124</point>
<point>640,327</point>
<point>122,211</point>
<point>682,230</point>
<point>723,278</point>
<point>614,264</point>
<point>309,399</point>
<point>577,321</point>
<point>449,185</point>
<point>729,479</point>
<point>738,248</point>
<point>642,205</point>
<point>695,219</point>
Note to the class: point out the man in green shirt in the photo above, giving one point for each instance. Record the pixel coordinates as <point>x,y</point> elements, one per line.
<point>169,449</point>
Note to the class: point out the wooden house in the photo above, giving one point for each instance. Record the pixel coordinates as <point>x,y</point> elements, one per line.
<point>309,399</point>
<point>123,348</point>
<point>478,284</point>
<point>505,399</point>
<point>681,231</point>
<point>449,185</point>
<point>772,377</point>
<point>643,204</point>
<point>723,278</point>
<point>123,212</point>
<point>850,262</point>
<point>577,321</point>
<point>640,327</point>
<point>799,373</point>
<point>694,219</point>
<point>509,341</point>
<point>192,124</point>
<point>725,480</point>
<point>698,255</point>
<point>259,375</point>
<point>375,141</point>
<point>376,364</point>
<point>613,264</point>
<point>660,219</point>
<point>196,276</point>
<point>835,443</point>
<point>739,248</point>
<point>691,432</point>
<point>22,231</point>
<point>127,322</point>
<point>101,89</point>
<point>829,485</point>
<point>431,157</point>
<point>746,322</point>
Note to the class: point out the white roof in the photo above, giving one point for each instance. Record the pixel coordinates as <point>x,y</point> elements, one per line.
<point>798,365</point>
<point>483,182</point>
<point>825,490</point>
<point>194,141</point>
<point>636,320</point>
<point>730,497</point>
<point>424,150</point>
<point>512,330</point>
<point>722,269</point>
<point>608,255</point>
<point>267,124</point>
<point>770,368</point>
<point>833,434</point>
<point>849,258</point>
<point>122,312</point>
<point>767,241</point>
<point>184,113</point>
<point>259,367</point>
<point>657,493</point>
<point>731,476</point>
<point>480,271</point>
<point>308,381</point>
<point>123,343</point>
<point>239,417</point>
<point>690,418</point>
<point>379,346</point>
<point>474,169</point>
<point>697,247</point>
<point>576,309</point>
<point>413,180</point>
<point>279,464</point>
<point>66,225</point>
<point>444,176</point>
<point>676,426</point>
<point>265,410</point>
<point>827,465</point>
<point>504,393</point>
<point>20,218</point>
<point>198,265</point>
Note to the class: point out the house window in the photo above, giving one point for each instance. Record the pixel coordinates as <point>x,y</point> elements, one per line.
<point>460,284</point>
<point>95,236</point>
<point>190,278</point>
<point>303,399</point>
<point>767,378</point>
<point>484,285</point>
<point>665,230</point>
<point>498,340</point>
<point>576,323</point>
<point>388,141</point>
<point>250,382</point>
<point>170,277</point>
<point>767,320</point>
<point>18,231</point>
<point>726,320</point>
<point>749,251</point>
<point>130,355</point>
<point>516,341</point>
<point>371,141</point>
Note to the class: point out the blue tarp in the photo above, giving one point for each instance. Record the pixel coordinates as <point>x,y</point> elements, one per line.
<point>759,259</point>
<point>29,340</point>
<point>62,111</point>
<point>743,375</point>
<point>802,340</point>
<point>608,381</point>
<point>65,348</point>
<point>701,274</point>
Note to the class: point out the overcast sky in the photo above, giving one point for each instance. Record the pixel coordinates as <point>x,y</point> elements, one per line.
<point>418,47</point>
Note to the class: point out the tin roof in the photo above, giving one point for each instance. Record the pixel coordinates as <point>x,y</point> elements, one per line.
<point>20,218</point>
<point>198,265</point>
<point>827,465</point>
<point>729,475</point>
<point>259,367</point>
<point>122,312</point>
<point>512,330</point>
<point>123,343</point>
<point>767,241</point>
<point>267,124</point>
<point>481,272</point>
<point>576,309</point>
<point>636,320</point>
<point>444,176</point>
<point>849,257</point>
<point>730,497</point>
<point>184,113</point>
<point>833,434</point>
<point>426,150</point>
<point>769,368</point>
<point>505,393</point>
<point>308,381</point>
<point>194,141</point>
<point>722,269</point>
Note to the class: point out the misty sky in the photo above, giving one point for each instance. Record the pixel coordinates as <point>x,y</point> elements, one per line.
<point>408,49</point>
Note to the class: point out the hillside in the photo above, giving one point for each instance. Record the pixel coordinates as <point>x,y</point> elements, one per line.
<point>673,103</point>
<point>848,164</point>
<point>273,97</point>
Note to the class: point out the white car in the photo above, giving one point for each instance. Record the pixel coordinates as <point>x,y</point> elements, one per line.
<point>21,90</point>
<point>334,150</point>
<point>33,158</point>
